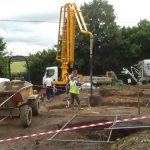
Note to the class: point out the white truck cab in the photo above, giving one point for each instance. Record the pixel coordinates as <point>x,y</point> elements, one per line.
<point>4,80</point>
<point>52,72</point>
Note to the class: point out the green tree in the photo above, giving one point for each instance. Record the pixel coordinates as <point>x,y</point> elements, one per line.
<point>39,61</point>
<point>133,44</point>
<point>142,39</point>
<point>3,59</point>
<point>100,20</point>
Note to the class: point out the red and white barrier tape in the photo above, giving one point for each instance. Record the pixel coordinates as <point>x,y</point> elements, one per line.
<point>41,85</point>
<point>74,128</point>
<point>95,112</point>
<point>56,89</point>
<point>4,118</point>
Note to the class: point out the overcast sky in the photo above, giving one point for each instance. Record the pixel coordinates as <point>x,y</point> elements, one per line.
<point>23,37</point>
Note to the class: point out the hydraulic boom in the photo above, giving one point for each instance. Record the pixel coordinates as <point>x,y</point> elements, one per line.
<point>69,15</point>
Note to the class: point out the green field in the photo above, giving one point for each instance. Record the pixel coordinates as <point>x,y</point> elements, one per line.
<point>18,67</point>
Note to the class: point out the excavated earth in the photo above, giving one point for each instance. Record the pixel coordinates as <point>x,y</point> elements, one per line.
<point>105,104</point>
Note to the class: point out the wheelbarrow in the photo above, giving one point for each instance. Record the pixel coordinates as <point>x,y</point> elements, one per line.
<point>17,99</point>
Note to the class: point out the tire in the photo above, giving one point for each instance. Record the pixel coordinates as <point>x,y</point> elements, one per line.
<point>26,115</point>
<point>35,105</point>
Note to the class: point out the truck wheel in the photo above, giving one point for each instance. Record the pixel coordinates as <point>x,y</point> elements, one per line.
<point>26,115</point>
<point>35,105</point>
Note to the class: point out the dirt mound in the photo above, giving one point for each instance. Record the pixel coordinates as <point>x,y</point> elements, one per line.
<point>108,92</point>
<point>96,100</point>
<point>54,115</point>
<point>61,106</point>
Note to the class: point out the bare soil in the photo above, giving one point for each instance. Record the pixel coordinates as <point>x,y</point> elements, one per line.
<point>54,114</point>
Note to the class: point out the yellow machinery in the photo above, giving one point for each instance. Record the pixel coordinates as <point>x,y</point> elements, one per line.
<point>17,99</point>
<point>69,15</point>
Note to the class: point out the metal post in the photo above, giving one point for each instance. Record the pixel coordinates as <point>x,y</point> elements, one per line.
<point>111,131</point>
<point>138,95</point>
<point>91,66</point>
<point>62,127</point>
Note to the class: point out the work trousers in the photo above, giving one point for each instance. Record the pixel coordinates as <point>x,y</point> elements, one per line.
<point>76,97</point>
<point>49,92</point>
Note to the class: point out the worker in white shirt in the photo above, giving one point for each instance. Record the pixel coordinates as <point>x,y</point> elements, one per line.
<point>49,88</point>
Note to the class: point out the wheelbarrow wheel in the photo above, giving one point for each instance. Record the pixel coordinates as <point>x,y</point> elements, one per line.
<point>35,107</point>
<point>26,115</point>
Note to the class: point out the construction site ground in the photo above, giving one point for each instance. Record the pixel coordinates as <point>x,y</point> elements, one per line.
<point>106,101</point>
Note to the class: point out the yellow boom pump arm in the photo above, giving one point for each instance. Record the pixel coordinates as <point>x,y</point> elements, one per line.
<point>69,15</point>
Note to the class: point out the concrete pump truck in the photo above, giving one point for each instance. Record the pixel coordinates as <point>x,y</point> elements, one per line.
<point>69,15</point>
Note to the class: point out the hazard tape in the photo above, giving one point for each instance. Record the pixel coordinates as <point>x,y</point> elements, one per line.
<point>40,85</point>
<point>3,118</point>
<point>74,128</point>
<point>55,89</point>
<point>95,112</point>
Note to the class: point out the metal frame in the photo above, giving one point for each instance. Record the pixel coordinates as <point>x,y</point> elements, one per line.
<point>111,128</point>
<point>80,140</point>
<point>23,58</point>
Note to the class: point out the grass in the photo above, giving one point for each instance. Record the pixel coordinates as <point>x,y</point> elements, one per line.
<point>18,67</point>
<point>136,141</point>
